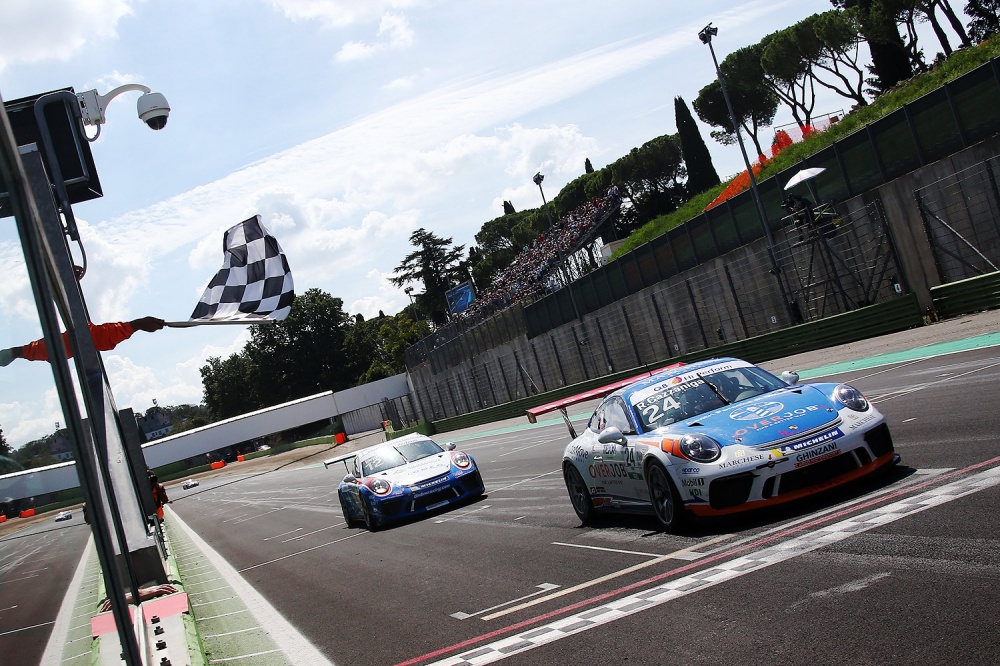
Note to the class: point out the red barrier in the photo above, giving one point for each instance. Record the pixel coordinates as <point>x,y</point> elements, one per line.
<point>27,513</point>
<point>218,465</point>
<point>340,437</point>
<point>239,458</point>
<point>3,518</point>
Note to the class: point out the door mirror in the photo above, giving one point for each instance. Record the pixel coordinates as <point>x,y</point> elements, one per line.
<point>350,478</point>
<point>790,377</point>
<point>611,435</point>
<point>450,446</point>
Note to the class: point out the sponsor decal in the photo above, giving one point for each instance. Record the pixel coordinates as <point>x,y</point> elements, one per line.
<point>741,461</point>
<point>690,470</point>
<point>597,490</point>
<point>774,420</point>
<point>811,442</point>
<point>695,492</point>
<point>758,411</point>
<point>635,476</point>
<point>813,456</point>
<point>861,422</point>
<point>577,453</point>
<point>687,483</point>
<point>611,470</point>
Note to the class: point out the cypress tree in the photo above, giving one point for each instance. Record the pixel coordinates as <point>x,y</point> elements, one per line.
<point>697,159</point>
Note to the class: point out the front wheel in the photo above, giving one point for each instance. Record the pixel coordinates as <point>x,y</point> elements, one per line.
<point>348,518</point>
<point>371,522</point>
<point>579,495</point>
<point>666,500</point>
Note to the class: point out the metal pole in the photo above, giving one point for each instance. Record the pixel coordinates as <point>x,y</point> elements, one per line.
<point>706,37</point>
<point>569,282</point>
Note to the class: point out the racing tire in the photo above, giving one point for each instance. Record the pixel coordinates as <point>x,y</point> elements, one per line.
<point>348,518</point>
<point>667,507</point>
<point>371,522</point>
<point>579,494</point>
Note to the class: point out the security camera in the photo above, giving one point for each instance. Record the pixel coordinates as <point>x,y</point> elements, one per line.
<point>152,107</point>
<point>153,110</point>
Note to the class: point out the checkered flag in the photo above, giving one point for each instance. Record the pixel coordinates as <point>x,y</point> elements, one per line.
<point>254,284</point>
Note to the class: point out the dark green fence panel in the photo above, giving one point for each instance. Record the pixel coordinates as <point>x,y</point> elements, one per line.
<point>680,241</point>
<point>935,126</point>
<point>977,99</point>
<point>965,296</point>
<point>664,254</point>
<point>895,144</point>
<point>701,238</point>
<point>860,161</point>
<point>831,185</point>
<point>631,272</point>
<point>723,227</point>
<point>619,287</point>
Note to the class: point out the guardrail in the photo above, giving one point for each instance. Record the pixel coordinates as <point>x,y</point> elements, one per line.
<point>969,295</point>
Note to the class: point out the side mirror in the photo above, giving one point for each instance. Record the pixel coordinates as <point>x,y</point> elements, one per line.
<point>350,478</point>
<point>790,377</point>
<point>450,446</point>
<point>611,435</point>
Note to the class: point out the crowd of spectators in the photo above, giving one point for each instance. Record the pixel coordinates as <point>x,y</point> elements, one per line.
<point>533,272</point>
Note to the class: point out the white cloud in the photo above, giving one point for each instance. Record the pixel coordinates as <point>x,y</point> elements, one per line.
<point>394,34</point>
<point>340,13</point>
<point>35,31</point>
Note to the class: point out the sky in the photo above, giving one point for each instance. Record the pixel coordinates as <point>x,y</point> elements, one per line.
<point>346,125</point>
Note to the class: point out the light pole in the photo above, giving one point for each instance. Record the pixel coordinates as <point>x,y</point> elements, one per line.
<point>537,179</point>
<point>705,36</point>
<point>416,313</point>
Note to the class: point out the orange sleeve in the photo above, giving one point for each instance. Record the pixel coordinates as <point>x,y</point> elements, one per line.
<point>105,336</point>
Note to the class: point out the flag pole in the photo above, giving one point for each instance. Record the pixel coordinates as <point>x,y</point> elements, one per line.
<point>242,322</point>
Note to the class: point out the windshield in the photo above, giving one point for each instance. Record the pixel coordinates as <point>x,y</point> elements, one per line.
<point>700,392</point>
<point>388,457</point>
<point>418,449</point>
<point>381,460</point>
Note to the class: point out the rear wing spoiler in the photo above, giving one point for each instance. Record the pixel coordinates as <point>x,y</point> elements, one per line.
<point>344,458</point>
<point>599,392</point>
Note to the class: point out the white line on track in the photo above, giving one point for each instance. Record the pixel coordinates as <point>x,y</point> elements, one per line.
<point>897,394</point>
<point>462,515</point>
<point>677,555</point>
<point>496,490</point>
<point>602,579</point>
<point>322,529</point>
<point>300,552</point>
<point>297,529</point>
<point>544,587</point>
<point>723,571</point>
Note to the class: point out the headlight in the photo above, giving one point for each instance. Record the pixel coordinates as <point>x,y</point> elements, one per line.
<point>700,448</point>
<point>850,397</point>
<point>379,486</point>
<point>461,460</point>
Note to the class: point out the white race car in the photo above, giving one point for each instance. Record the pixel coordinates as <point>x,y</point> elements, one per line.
<point>63,515</point>
<point>404,478</point>
<point>190,483</point>
<point>717,437</point>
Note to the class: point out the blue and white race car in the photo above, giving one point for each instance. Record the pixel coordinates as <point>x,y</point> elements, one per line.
<point>718,437</point>
<point>403,478</point>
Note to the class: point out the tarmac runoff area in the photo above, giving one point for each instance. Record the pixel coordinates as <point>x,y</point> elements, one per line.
<point>235,624</point>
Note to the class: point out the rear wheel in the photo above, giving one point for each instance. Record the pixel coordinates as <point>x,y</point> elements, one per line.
<point>579,495</point>
<point>666,501</point>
